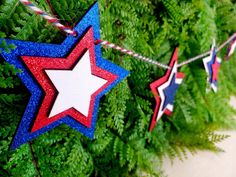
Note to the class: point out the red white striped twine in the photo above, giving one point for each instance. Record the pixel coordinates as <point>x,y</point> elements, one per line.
<point>50,19</point>
<point>70,31</point>
<point>148,60</point>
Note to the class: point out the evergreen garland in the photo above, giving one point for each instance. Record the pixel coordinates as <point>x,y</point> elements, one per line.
<point>122,145</point>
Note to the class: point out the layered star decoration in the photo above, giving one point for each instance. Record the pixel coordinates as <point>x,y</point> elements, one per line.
<point>231,48</point>
<point>164,90</point>
<point>212,65</point>
<point>66,81</point>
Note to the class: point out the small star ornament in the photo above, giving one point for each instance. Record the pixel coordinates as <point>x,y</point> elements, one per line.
<point>212,65</point>
<point>231,49</point>
<point>164,90</point>
<point>66,81</point>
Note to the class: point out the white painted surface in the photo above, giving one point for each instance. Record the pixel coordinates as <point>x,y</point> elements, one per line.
<point>233,102</point>
<point>207,164</point>
<point>74,87</point>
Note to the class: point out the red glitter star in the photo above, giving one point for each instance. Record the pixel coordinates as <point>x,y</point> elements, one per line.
<point>38,65</point>
<point>215,70</point>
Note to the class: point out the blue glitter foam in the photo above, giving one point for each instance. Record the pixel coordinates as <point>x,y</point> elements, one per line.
<point>25,48</point>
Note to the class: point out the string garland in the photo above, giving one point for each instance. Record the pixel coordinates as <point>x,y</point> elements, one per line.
<point>70,31</point>
<point>190,60</point>
<point>131,53</point>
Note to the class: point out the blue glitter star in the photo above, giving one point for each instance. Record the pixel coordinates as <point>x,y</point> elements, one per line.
<point>25,48</point>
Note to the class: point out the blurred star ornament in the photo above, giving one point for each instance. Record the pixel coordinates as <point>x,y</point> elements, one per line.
<point>164,90</point>
<point>231,48</point>
<point>66,80</point>
<point>212,65</point>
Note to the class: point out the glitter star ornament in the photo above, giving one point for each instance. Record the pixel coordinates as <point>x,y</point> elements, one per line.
<point>212,65</point>
<point>231,48</point>
<point>164,90</point>
<point>66,80</point>
<point>70,84</point>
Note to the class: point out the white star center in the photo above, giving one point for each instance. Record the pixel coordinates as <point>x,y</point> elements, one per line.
<point>75,87</point>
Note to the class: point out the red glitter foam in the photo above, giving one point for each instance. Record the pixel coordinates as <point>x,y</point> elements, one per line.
<point>215,70</point>
<point>38,65</point>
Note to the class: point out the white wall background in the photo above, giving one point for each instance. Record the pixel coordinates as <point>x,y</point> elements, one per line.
<point>207,164</point>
